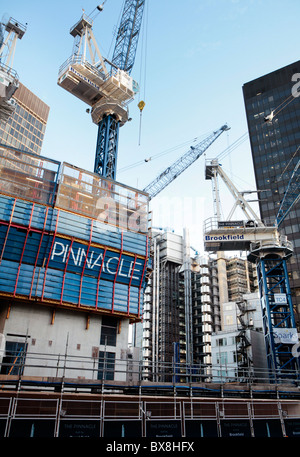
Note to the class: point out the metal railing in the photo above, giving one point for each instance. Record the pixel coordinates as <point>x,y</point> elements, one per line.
<point>9,71</point>
<point>39,369</point>
<point>78,59</point>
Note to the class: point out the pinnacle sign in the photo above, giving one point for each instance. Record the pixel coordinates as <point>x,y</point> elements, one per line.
<point>76,257</point>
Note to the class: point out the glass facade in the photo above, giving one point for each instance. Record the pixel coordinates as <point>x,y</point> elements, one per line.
<point>275,152</point>
<point>25,129</point>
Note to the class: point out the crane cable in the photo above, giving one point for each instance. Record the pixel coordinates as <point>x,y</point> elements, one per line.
<point>158,155</point>
<point>144,50</point>
<point>222,155</point>
<point>274,112</point>
<point>286,167</point>
<point>97,10</point>
<point>233,146</point>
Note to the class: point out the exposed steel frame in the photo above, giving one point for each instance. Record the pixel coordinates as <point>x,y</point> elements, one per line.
<point>115,278</point>
<point>24,246</point>
<point>87,253</point>
<point>9,224</point>
<point>48,260</point>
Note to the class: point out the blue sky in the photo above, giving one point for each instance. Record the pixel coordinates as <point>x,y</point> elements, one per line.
<point>199,54</point>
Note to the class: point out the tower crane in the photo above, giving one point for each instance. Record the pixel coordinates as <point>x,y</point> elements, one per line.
<point>106,86</point>
<point>154,188</point>
<point>9,79</point>
<point>266,248</point>
<point>269,250</point>
<point>180,165</point>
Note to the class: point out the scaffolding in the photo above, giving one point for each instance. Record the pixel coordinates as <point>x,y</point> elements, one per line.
<point>67,402</point>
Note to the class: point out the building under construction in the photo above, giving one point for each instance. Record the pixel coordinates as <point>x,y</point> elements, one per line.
<point>74,264</point>
<point>74,252</point>
<point>74,258</point>
<point>182,302</point>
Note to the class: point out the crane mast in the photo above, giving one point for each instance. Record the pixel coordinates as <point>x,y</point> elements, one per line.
<point>106,86</point>
<point>9,79</point>
<point>123,58</point>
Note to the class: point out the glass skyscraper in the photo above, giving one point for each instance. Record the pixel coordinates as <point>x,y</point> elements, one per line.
<point>273,116</point>
<point>26,127</point>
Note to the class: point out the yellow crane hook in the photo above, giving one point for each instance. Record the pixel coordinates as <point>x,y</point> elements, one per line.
<point>141,106</point>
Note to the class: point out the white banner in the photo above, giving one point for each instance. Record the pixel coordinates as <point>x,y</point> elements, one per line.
<point>280,298</point>
<point>285,335</point>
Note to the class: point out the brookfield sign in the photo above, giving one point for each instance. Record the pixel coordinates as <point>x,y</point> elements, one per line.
<point>224,237</point>
<point>84,78</point>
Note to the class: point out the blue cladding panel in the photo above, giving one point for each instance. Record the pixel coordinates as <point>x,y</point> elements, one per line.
<point>30,281</point>
<point>71,224</point>
<point>52,267</point>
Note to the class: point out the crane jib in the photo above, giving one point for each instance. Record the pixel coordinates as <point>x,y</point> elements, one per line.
<point>179,166</point>
<point>128,33</point>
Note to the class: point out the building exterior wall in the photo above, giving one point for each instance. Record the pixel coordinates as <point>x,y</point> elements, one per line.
<point>164,324</point>
<point>241,277</point>
<point>61,244</point>
<point>25,129</point>
<point>275,152</point>
<point>238,350</point>
<point>62,344</point>
<point>226,357</point>
<point>206,310</point>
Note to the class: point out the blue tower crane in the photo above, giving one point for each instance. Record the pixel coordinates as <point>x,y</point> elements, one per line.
<point>281,337</point>
<point>123,58</point>
<point>181,164</point>
<point>106,86</point>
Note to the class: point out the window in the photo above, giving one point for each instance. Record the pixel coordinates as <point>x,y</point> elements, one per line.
<point>221,342</point>
<point>222,358</point>
<point>14,359</point>
<point>229,320</point>
<point>109,331</point>
<point>228,307</point>
<point>106,366</point>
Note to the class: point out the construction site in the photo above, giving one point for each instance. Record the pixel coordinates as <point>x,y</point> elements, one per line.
<point>110,327</point>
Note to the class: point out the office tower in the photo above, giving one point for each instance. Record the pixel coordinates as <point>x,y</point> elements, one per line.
<point>241,278</point>
<point>25,128</point>
<point>273,115</point>
<point>164,319</point>
<point>206,308</point>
